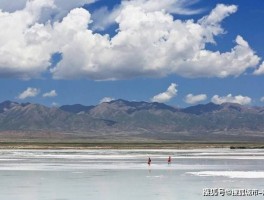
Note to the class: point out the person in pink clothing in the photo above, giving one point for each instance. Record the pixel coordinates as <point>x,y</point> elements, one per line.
<point>149,161</point>
<point>169,160</point>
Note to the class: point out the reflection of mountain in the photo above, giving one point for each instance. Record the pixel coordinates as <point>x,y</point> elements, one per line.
<point>126,119</point>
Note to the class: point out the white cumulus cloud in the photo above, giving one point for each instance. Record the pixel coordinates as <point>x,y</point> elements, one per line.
<point>29,92</point>
<point>59,9</point>
<point>149,42</point>
<point>194,99</point>
<point>262,99</point>
<point>171,6</point>
<point>243,100</point>
<point>52,93</point>
<point>107,99</point>
<point>259,70</point>
<point>103,17</point>
<point>167,95</point>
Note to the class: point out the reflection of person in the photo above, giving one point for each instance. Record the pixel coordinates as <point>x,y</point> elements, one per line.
<point>169,160</point>
<point>149,161</point>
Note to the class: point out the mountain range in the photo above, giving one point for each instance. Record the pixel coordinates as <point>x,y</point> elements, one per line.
<point>131,121</point>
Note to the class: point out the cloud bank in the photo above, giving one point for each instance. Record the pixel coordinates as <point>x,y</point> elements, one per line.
<point>59,9</point>
<point>103,17</point>
<point>107,99</point>
<point>52,93</point>
<point>167,95</point>
<point>243,100</point>
<point>149,42</point>
<point>29,92</point>
<point>194,99</point>
<point>259,70</point>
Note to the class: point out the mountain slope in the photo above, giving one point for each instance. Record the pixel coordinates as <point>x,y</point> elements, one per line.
<point>126,119</point>
<point>34,117</point>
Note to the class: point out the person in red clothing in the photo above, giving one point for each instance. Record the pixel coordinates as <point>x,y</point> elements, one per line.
<point>149,161</point>
<point>169,160</point>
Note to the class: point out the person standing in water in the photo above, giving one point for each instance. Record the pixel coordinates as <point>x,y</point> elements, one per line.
<point>169,160</point>
<point>149,161</point>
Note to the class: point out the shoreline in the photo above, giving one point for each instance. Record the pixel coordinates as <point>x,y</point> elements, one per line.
<point>126,145</point>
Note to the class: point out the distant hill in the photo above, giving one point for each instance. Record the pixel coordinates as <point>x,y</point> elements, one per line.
<point>126,120</point>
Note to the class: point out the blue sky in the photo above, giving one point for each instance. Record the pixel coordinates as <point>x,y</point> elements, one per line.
<point>83,51</point>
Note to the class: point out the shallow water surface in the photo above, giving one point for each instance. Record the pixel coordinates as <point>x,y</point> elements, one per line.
<point>124,174</point>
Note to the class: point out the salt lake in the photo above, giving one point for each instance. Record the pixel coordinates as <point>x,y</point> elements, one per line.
<point>107,174</point>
